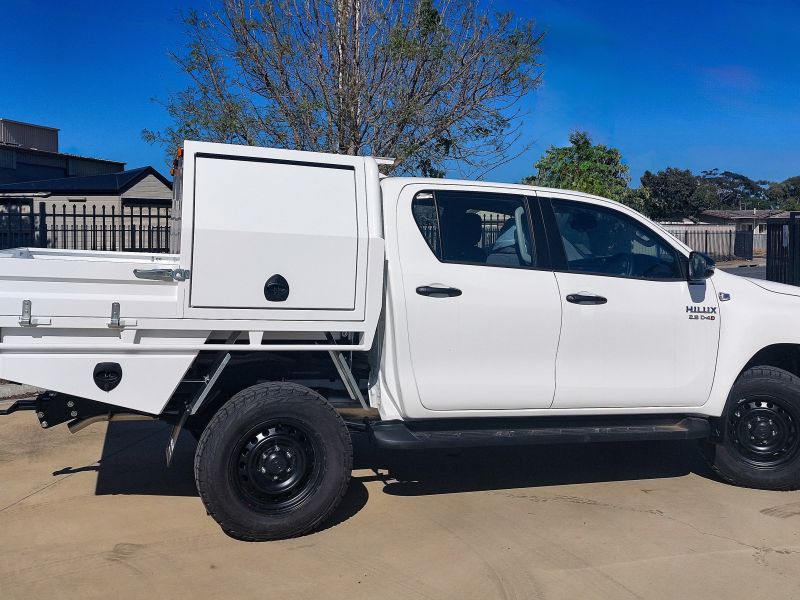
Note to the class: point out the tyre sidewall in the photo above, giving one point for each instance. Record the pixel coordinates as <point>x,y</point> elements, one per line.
<point>725,456</point>
<point>224,436</point>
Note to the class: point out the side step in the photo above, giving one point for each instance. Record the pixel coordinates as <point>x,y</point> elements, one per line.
<point>434,433</point>
<point>14,404</point>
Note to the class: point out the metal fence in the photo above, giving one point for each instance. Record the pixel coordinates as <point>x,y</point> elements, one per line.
<point>724,245</point>
<point>491,226</point>
<point>143,228</point>
<point>137,228</point>
<point>720,244</point>
<point>783,249</point>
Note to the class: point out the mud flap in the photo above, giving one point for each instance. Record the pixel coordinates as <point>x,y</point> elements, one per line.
<point>193,405</point>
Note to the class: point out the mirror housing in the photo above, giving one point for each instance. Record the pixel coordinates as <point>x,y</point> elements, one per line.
<point>701,267</point>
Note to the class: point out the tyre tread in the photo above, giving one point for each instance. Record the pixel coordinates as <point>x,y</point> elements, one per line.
<point>756,372</point>
<point>278,393</point>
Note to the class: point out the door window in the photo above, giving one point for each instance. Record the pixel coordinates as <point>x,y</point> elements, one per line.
<point>603,241</point>
<point>475,228</point>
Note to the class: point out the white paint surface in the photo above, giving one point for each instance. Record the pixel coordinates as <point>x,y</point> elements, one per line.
<point>255,219</point>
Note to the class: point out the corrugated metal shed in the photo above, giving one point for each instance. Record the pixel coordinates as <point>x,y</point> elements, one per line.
<point>8,159</point>
<point>27,135</point>
<point>44,160</point>
<point>79,167</point>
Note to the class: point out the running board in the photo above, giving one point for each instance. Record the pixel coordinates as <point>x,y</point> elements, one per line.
<point>399,435</point>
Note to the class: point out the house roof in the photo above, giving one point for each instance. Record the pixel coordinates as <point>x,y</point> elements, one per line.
<point>25,150</point>
<point>735,215</point>
<point>111,183</point>
<point>785,214</point>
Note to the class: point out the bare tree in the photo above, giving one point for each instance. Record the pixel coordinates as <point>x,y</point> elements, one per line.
<point>430,83</point>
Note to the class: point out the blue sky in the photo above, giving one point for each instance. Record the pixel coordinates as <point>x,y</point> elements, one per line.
<point>696,85</point>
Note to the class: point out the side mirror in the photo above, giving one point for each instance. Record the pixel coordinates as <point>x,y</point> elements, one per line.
<point>701,267</point>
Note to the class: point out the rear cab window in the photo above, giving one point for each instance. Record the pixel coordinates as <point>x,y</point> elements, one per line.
<point>480,228</point>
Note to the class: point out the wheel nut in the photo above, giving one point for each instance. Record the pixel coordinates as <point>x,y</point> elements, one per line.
<point>263,470</point>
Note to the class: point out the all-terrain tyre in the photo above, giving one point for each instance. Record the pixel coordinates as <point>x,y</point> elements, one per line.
<point>760,431</point>
<point>274,462</point>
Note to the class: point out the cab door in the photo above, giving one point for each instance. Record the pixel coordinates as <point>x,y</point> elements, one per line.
<point>634,332</point>
<point>482,313</point>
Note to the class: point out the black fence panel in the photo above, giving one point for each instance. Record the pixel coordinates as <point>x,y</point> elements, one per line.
<point>743,245</point>
<point>133,228</point>
<point>490,229</point>
<point>783,249</point>
<point>17,227</point>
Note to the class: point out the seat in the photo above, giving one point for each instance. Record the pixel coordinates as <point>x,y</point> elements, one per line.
<point>462,232</point>
<point>504,251</point>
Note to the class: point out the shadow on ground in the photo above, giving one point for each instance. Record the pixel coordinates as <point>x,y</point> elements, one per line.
<point>133,462</point>
<point>476,469</point>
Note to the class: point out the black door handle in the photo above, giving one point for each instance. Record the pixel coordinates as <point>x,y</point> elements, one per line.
<point>586,299</point>
<point>438,292</point>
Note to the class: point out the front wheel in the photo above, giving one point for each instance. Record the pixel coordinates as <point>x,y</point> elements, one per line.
<point>760,431</point>
<point>273,462</point>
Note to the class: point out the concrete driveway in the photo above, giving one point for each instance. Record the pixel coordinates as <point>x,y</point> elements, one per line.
<point>758,271</point>
<point>98,515</point>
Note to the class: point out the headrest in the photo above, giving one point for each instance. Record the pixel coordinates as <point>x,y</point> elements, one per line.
<point>472,227</point>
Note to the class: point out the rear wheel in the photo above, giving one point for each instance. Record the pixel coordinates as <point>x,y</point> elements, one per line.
<point>760,428</point>
<point>273,462</point>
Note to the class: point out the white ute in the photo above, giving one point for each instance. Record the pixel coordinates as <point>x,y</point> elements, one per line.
<point>307,297</point>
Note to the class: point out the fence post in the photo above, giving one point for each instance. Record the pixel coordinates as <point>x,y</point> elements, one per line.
<point>730,242</point>
<point>42,242</point>
<point>794,249</point>
<point>113,228</point>
<point>32,238</point>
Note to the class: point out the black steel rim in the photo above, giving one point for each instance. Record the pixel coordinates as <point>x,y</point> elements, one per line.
<point>276,466</point>
<point>764,430</point>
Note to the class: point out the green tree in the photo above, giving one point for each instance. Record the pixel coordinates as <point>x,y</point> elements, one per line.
<point>584,167</point>
<point>638,199</point>
<point>431,83</point>
<point>786,194</point>
<point>676,193</point>
<point>735,191</point>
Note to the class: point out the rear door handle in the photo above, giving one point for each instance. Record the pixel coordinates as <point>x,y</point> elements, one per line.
<point>438,292</point>
<point>583,298</point>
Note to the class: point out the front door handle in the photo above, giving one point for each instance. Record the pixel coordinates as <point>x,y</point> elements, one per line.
<point>438,292</point>
<point>583,298</point>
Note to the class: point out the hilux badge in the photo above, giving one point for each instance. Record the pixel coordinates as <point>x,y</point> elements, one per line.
<point>702,313</point>
<point>701,309</point>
